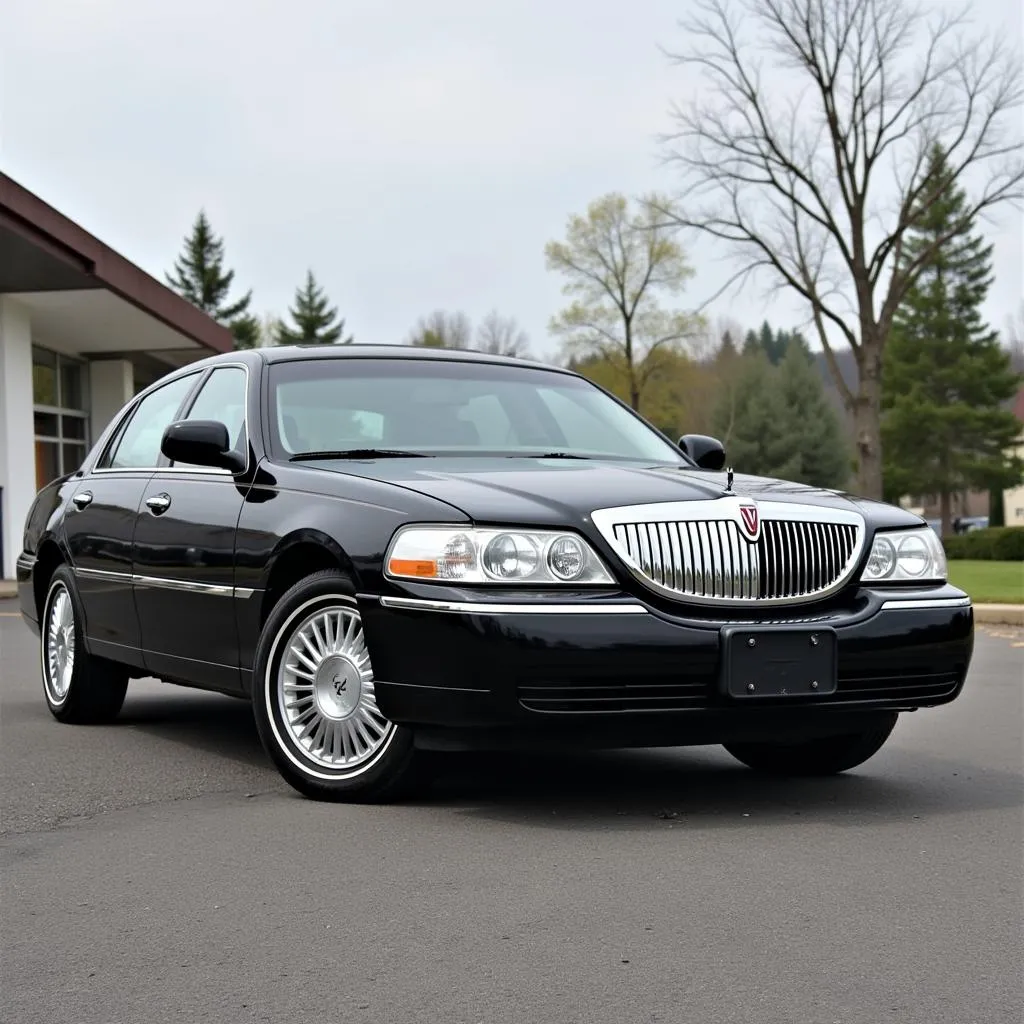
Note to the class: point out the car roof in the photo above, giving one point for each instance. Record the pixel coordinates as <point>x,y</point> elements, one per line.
<point>283,353</point>
<point>290,353</point>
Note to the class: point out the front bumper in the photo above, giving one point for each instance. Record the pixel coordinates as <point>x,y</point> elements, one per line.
<point>613,669</point>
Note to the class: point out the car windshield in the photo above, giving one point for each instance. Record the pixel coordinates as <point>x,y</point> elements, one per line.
<point>450,407</point>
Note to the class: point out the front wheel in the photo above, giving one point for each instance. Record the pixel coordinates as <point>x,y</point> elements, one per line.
<point>826,756</point>
<point>314,702</point>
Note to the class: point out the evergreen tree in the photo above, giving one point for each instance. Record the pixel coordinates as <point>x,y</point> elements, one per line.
<point>945,375</point>
<point>774,344</point>
<point>200,277</point>
<point>777,421</point>
<point>814,427</point>
<point>247,331</point>
<point>786,340</point>
<point>315,320</point>
<point>752,423</point>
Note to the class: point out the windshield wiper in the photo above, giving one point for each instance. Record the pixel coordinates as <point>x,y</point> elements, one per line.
<point>548,455</point>
<point>359,453</point>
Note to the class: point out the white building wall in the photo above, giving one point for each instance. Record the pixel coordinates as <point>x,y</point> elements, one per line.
<point>17,450</point>
<point>111,385</point>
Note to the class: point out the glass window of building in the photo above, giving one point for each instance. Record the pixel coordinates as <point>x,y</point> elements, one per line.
<point>60,389</point>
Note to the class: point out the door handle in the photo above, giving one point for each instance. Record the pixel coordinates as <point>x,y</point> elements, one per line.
<point>159,503</point>
<point>81,499</point>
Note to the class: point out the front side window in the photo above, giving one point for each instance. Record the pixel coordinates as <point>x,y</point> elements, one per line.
<point>222,398</point>
<point>138,446</point>
<point>451,408</point>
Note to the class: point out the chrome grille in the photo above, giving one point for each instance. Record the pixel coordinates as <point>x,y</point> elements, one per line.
<point>797,558</point>
<point>697,550</point>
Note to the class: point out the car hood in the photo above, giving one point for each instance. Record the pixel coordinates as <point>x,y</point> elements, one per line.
<point>560,492</point>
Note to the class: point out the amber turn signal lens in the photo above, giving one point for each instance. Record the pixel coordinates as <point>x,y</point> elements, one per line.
<point>412,567</point>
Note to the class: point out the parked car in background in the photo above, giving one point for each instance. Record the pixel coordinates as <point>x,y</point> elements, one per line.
<point>962,524</point>
<point>390,550</point>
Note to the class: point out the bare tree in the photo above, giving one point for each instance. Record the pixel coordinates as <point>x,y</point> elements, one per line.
<point>1013,338</point>
<point>807,152</point>
<point>616,261</point>
<point>442,330</point>
<point>501,336</point>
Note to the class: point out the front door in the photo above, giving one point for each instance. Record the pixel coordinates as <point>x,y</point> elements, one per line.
<point>184,553</point>
<point>99,528</point>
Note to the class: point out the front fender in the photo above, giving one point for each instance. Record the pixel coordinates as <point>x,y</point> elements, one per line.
<point>352,528</point>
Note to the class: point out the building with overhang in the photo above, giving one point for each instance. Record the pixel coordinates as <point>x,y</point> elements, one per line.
<point>82,330</point>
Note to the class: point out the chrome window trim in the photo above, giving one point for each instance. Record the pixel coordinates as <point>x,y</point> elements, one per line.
<point>204,470</point>
<point>525,607</point>
<point>916,604</point>
<point>727,507</point>
<point>166,583</point>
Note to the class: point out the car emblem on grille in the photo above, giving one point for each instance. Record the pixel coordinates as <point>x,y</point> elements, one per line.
<point>750,522</point>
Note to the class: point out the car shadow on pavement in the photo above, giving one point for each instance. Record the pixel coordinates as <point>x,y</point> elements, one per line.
<point>206,722</point>
<point>702,787</point>
<point>695,786</point>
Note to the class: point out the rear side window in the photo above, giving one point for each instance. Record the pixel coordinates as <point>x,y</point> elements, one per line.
<point>138,446</point>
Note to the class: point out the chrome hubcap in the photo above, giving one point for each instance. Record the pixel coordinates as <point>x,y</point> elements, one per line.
<point>60,646</point>
<point>325,691</point>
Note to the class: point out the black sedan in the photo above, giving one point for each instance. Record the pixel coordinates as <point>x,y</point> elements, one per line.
<point>393,550</point>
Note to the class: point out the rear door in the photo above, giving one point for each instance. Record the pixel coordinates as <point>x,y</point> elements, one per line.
<point>99,526</point>
<point>184,551</point>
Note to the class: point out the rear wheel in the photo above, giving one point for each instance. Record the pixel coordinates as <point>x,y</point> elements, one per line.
<point>78,687</point>
<point>825,756</point>
<point>314,701</point>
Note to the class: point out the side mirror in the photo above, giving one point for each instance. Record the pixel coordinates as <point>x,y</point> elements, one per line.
<point>201,443</point>
<point>707,452</point>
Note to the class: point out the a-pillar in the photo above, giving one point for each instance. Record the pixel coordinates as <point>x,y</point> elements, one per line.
<point>17,448</point>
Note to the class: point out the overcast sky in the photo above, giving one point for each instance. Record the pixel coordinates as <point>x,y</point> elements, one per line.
<point>415,155</point>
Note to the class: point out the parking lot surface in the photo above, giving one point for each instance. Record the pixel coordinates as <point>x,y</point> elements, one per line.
<point>159,870</point>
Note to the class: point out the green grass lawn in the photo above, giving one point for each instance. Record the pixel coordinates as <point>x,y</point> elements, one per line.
<point>989,582</point>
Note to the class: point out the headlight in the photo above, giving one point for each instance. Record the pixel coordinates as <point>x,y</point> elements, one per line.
<point>903,556</point>
<point>453,555</point>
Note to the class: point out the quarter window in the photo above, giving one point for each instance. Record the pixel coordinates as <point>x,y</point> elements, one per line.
<point>222,398</point>
<point>138,446</point>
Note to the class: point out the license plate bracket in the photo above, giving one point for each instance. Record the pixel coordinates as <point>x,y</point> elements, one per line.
<point>778,661</point>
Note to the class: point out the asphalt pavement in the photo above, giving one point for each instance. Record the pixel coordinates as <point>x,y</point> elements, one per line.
<point>158,870</point>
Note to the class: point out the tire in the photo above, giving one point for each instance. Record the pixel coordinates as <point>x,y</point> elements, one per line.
<point>79,688</point>
<point>313,699</point>
<point>828,756</point>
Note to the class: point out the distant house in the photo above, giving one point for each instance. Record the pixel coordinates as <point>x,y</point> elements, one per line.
<point>1013,499</point>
